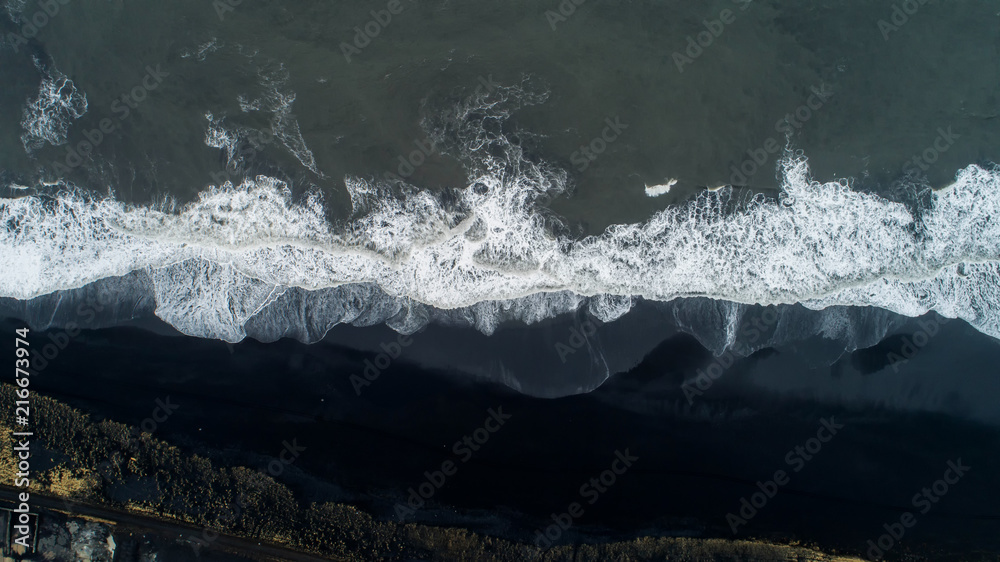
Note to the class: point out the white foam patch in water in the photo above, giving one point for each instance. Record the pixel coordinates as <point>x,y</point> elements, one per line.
<point>203,50</point>
<point>14,10</point>
<point>240,144</point>
<point>660,189</point>
<point>274,98</point>
<point>228,255</point>
<point>47,118</point>
<point>278,101</point>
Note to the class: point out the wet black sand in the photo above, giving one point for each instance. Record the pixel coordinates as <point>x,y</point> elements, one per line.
<point>695,462</point>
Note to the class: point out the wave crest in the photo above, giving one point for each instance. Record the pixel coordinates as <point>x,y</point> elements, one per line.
<point>488,254</point>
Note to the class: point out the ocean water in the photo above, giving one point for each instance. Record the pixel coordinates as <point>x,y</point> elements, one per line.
<point>540,193</point>
<point>501,175</point>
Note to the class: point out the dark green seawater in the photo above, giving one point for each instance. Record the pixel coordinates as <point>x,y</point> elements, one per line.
<point>691,118</point>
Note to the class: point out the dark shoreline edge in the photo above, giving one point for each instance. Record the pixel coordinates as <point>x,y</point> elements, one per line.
<point>575,350</point>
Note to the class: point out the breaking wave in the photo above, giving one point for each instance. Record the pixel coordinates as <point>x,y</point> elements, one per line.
<point>249,260</point>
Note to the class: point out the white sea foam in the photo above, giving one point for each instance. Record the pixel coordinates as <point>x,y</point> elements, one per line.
<point>47,118</point>
<point>277,100</point>
<point>203,50</point>
<point>487,255</point>
<point>660,189</point>
<point>228,255</point>
<point>14,9</point>
<point>274,97</point>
